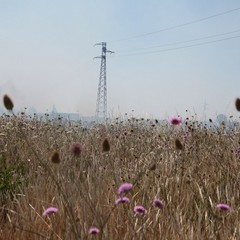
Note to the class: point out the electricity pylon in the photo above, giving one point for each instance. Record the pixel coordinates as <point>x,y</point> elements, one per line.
<point>101,106</point>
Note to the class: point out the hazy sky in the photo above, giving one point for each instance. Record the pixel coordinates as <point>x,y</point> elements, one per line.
<point>46,55</point>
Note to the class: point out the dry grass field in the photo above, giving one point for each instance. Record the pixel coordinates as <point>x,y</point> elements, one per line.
<point>78,169</point>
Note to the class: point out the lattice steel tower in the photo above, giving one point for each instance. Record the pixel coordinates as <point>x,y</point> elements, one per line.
<point>101,106</point>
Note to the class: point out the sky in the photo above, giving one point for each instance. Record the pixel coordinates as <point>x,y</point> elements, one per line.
<point>170,56</point>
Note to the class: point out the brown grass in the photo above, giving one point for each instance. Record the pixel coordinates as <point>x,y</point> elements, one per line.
<point>189,182</point>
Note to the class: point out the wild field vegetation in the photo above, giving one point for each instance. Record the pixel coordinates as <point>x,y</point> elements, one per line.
<point>189,168</point>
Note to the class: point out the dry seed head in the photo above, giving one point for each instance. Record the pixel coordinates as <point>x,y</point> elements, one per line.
<point>153,167</point>
<point>55,158</point>
<point>8,102</point>
<point>105,145</point>
<point>237,104</point>
<point>178,144</point>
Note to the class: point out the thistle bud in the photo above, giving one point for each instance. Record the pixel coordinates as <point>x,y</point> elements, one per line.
<point>8,102</point>
<point>178,144</point>
<point>55,158</point>
<point>237,104</point>
<point>76,149</point>
<point>105,145</point>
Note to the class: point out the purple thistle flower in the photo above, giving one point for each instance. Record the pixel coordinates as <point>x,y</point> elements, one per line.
<point>93,230</point>
<point>140,210</point>
<point>124,188</point>
<point>122,200</point>
<point>76,149</point>
<point>223,206</point>
<point>49,211</point>
<point>158,203</point>
<point>175,120</point>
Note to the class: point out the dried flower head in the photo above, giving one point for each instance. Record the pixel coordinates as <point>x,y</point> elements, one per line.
<point>122,200</point>
<point>140,210</point>
<point>8,102</point>
<point>105,145</point>
<point>186,135</point>
<point>76,149</point>
<point>178,144</point>
<point>93,230</point>
<point>55,158</point>
<point>237,104</point>
<point>223,206</point>
<point>158,203</point>
<point>153,167</point>
<point>124,188</point>
<point>50,211</point>
<point>175,120</point>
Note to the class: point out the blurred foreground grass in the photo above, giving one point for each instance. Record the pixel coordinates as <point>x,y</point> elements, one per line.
<point>190,179</point>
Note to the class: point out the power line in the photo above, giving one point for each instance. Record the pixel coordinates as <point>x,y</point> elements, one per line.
<point>176,26</point>
<point>177,48</point>
<point>179,42</point>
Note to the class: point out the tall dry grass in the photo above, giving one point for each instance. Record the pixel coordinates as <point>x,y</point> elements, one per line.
<point>191,168</point>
